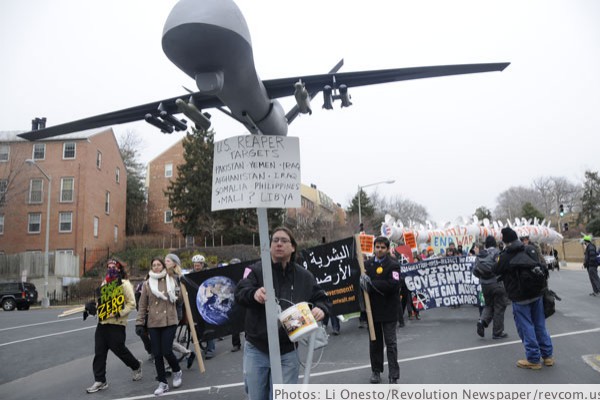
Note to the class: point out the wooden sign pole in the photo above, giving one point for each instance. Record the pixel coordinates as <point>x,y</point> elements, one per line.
<point>192,327</point>
<point>361,264</point>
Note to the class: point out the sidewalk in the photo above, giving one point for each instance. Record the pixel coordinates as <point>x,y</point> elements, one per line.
<point>571,266</point>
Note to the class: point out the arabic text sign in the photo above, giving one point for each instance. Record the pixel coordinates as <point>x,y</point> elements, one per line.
<point>440,282</point>
<point>251,171</point>
<point>336,270</point>
<point>112,300</point>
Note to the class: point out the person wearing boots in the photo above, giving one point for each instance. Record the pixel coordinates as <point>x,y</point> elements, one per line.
<point>527,303</point>
<point>381,281</point>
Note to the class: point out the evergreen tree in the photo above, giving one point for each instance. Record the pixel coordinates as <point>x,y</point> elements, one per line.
<point>529,212</point>
<point>483,212</point>
<point>190,193</point>
<point>366,208</point>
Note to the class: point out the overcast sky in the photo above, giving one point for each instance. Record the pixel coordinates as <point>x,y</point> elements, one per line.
<point>452,144</point>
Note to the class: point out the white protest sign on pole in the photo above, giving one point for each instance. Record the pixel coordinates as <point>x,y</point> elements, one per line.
<point>256,171</point>
<point>259,171</point>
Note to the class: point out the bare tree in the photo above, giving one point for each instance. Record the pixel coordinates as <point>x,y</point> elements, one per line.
<point>13,175</point>
<point>136,210</point>
<point>398,207</point>
<point>511,201</point>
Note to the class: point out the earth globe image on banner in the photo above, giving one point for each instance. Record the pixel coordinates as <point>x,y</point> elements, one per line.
<point>215,298</point>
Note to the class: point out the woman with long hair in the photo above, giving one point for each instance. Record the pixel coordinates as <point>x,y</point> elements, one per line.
<point>158,303</point>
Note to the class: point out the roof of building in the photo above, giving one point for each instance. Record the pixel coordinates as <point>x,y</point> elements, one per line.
<point>11,136</point>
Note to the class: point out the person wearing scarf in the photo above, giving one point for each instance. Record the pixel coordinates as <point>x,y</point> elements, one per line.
<point>110,332</point>
<point>158,304</point>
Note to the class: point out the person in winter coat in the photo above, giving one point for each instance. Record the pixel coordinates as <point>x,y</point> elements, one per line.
<point>110,332</point>
<point>494,293</point>
<point>528,307</point>
<point>158,307</point>
<point>292,284</point>
<point>590,263</point>
<point>382,281</point>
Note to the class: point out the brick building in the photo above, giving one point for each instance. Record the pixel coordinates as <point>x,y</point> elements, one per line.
<point>161,170</point>
<point>87,193</point>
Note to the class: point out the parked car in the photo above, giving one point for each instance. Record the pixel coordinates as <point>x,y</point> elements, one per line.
<point>19,295</point>
<point>552,262</point>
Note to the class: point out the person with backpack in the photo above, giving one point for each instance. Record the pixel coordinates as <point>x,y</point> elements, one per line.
<point>494,293</point>
<point>590,263</point>
<point>525,279</point>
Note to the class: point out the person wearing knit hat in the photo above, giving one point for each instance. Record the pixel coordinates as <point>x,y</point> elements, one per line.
<point>590,263</point>
<point>493,291</point>
<point>516,262</point>
<point>508,235</point>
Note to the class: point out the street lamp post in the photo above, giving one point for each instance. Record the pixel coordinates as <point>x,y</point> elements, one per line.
<point>45,299</point>
<point>360,188</point>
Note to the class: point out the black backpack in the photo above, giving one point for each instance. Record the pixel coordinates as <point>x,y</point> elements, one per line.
<point>530,274</point>
<point>484,263</point>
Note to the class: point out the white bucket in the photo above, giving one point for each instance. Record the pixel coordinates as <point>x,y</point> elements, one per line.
<point>298,321</point>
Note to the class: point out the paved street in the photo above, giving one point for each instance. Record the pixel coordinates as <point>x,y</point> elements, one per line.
<point>44,357</point>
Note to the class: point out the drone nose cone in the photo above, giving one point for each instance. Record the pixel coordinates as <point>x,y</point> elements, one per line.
<point>204,36</point>
<point>221,13</point>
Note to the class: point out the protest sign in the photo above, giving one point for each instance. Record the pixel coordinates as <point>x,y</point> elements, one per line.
<point>441,282</point>
<point>112,299</point>
<point>211,297</point>
<point>336,270</point>
<point>256,171</point>
<point>366,243</point>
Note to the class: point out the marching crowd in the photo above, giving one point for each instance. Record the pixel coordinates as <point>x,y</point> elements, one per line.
<point>508,272</point>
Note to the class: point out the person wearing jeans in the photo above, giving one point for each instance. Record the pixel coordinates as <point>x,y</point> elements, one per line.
<point>292,284</point>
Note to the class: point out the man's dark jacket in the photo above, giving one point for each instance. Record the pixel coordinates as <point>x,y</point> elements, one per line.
<point>292,285</point>
<point>590,256</point>
<point>507,273</point>
<point>385,295</point>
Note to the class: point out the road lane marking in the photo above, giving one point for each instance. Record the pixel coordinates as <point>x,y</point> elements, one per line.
<point>52,334</point>
<point>216,389</point>
<point>39,323</point>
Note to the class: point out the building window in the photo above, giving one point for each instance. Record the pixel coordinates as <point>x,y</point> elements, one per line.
<point>65,221</point>
<point>39,151</point>
<point>3,190</point>
<point>99,159</point>
<point>118,175</point>
<point>116,233</point>
<point>107,202</point>
<point>69,151</point>
<point>168,216</point>
<point>65,251</point>
<point>168,170</point>
<point>34,224</point>
<point>36,186</point>
<point>4,152</point>
<point>1,224</point>
<point>66,189</point>
<point>96,224</point>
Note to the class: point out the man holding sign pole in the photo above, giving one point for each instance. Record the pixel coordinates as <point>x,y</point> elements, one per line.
<point>293,284</point>
<point>382,281</point>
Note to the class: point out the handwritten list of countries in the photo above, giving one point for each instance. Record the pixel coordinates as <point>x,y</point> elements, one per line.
<point>256,171</point>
